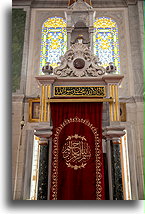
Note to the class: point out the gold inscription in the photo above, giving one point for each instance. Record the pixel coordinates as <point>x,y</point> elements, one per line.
<point>96,91</point>
<point>76,152</point>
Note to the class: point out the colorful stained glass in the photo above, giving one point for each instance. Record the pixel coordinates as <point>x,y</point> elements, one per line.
<point>53,41</point>
<point>106,45</point>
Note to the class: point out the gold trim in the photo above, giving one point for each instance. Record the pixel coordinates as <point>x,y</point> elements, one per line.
<point>49,91</point>
<point>45,104</point>
<point>37,138</point>
<point>75,87</point>
<point>43,143</point>
<point>45,93</point>
<point>46,108</point>
<point>55,157</point>
<point>80,100</point>
<point>114,107</point>
<point>116,142</point>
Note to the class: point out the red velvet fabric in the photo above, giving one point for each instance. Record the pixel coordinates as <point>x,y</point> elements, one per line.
<point>84,183</point>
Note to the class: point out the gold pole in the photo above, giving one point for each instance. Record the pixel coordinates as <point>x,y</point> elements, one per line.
<point>48,91</point>
<point>114,107</point>
<point>80,100</point>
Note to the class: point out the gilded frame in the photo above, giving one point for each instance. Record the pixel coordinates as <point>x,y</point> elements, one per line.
<point>34,110</point>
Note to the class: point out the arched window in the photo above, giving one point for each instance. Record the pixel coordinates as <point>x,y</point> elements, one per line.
<point>53,41</point>
<point>106,45</point>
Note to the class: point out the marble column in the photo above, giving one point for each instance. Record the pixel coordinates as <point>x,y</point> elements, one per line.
<point>69,31</point>
<point>43,131</point>
<point>112,134</point>
<point>117,183</point>
<point>43,170</point>
<point>91,33</point>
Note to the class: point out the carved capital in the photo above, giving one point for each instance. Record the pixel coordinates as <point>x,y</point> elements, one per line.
<point>44,80</point>
<point>114,133</point>
<point>43,130</point>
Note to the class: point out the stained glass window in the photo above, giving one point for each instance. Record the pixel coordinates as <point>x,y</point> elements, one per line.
<point>53,41</point>
<point>106,45</point>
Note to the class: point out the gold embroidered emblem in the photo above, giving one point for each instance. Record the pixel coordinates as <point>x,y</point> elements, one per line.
<point>97,155</point>
<point>76,152</point>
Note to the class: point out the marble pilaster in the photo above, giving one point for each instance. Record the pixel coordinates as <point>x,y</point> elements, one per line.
<point>116,170</point>
<point>91,33</point>
<point>44,132</point>
<point>42,189</point>
<point>113,133</point>
<point>69,31</point>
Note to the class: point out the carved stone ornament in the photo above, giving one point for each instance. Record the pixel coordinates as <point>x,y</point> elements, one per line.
<point>79,61</point>
<point>80,5</point>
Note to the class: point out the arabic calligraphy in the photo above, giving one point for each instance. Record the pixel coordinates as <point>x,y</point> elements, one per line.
<point>76,152</point>
<point>97,91</point>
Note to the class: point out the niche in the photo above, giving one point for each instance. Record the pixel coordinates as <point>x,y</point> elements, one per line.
<point>80,29</point>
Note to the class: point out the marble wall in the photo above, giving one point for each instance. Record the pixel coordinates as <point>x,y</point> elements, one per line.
<point>136,143</point>
<point>18,31</point>
<point>18,147</point>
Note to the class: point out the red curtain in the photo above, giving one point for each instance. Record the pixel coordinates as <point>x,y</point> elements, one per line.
<point>77,158</point>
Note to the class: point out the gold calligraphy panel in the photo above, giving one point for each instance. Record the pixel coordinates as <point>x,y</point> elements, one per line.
<point>80,91</point>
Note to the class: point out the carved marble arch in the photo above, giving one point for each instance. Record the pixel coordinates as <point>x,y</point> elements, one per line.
<point>106,43</point>
<point>53,41</point>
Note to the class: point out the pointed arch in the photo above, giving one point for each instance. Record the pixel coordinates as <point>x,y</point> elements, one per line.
<point>53,41</point>
<point>106,44</point>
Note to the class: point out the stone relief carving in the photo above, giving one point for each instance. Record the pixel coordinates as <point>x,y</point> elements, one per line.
<point>79,61</point>
<point>80,5</point>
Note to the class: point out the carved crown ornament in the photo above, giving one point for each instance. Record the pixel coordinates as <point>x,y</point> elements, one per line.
<point>79,61</point>
<point>80,5</point>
